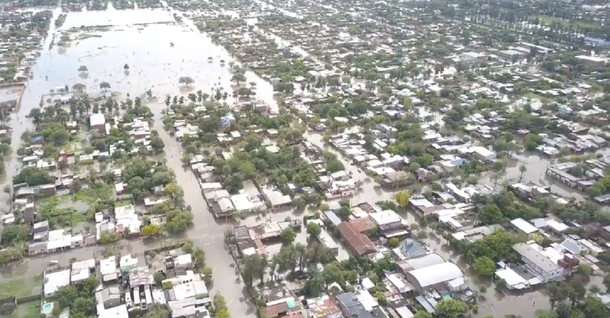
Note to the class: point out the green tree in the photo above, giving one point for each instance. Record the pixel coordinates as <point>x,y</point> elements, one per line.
<point>157,144</point>
<point>451,308</point>
<point>490,214</point>
<point>33,176</point>
<point>12,234</point>
<point>402,198</point>
<point>151,230</point>
<point>313,229</point>
<point>289,235</point>
<point>484,266</point>
<point>422,314</point>
<point>592,307</point>
<point>393,242</point>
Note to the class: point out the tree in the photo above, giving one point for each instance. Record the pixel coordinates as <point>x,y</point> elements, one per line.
<point>593,308</point>
<point>104,86</point>
<point>315,284</point>
<point>289,235</point>
<point>522,170</point>
<point>66,295</point>
<point>557,293</point>
<point>151,230</point>
<point>79,87</point>
<point>451,308</point>
<point>83,69</point>
<point>157,144</point>
<point>484,266</point>
<point>313,229</point>
<point>254,267</point>
<point>607,281</point>
<point>157,311</point>
<point>15,234</point>
<point>490,214</point>
<point>541,313</point>
<point>393,242</point>
<point>33,176</point>
<point>186,80</point>
<point>36,115</point>
<point>422,234</point>
<point>402,198</point>
<point>422,314</point>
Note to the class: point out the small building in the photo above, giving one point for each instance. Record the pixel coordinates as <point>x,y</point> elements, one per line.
<point>97,122</point>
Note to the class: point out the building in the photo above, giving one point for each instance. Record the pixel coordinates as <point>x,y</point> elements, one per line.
<point>539,264</point>
<point>97,122</point>
<point>436,276</point>
<point>53,281</point>
<point>10,97</point>
<point>109,297</point>
<point>390,224</point>
<point>357,305</point>
<point>358,243</point>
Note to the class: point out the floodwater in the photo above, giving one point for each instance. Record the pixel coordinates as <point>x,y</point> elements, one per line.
<point>536,165</point>
<point>153,64</point>
<point>156,65</point>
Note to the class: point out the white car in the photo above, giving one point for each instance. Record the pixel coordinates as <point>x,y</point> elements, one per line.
<point>53,262</point>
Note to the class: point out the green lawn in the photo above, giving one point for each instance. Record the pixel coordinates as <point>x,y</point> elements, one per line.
<point>29,310</point>
<point>548,20</point>
<point>20,287</point>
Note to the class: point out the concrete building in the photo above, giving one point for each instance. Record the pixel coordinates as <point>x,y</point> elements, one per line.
<point>539,264</point>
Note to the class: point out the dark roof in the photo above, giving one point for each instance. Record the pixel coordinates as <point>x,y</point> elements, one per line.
<point>350,303</point>
<point>358,242</point>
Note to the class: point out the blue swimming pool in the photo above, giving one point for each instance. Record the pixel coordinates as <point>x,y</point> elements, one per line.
<point>47,308</point>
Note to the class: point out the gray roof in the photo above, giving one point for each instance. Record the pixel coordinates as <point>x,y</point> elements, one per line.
<point>425,261</point>
<point>350,303</point>
<point>535,257</point>
<point>412,248</point>
<point>9,95</point>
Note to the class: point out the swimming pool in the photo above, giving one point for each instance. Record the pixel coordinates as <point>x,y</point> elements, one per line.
<point>47,308</point>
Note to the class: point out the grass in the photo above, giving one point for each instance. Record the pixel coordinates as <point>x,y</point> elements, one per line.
<point>548,20</point>
<point>65,217</point>
<point>29,310</point>
<point>18,287</point>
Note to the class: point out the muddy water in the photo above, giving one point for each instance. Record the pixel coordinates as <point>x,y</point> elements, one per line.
<point>490,302</point>
<point>536,172</point>
<point>154,65</point>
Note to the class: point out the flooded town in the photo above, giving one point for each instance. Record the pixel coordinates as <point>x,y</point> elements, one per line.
<point>262,158</point>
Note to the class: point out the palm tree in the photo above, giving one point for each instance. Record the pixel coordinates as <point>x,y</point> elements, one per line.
<point>522,169</point>
<point>564,309</point>
<point>301,252</point>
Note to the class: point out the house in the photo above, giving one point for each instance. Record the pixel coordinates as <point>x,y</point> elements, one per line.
<point>539,264</point>
<point>358,304</point>
<point>390,224</point>
<point>53,281</point>
<point>412,249</point>
<point>97,122</point>
<point>109,297</point>
<point>483,154</point>
<point>358,243</point>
